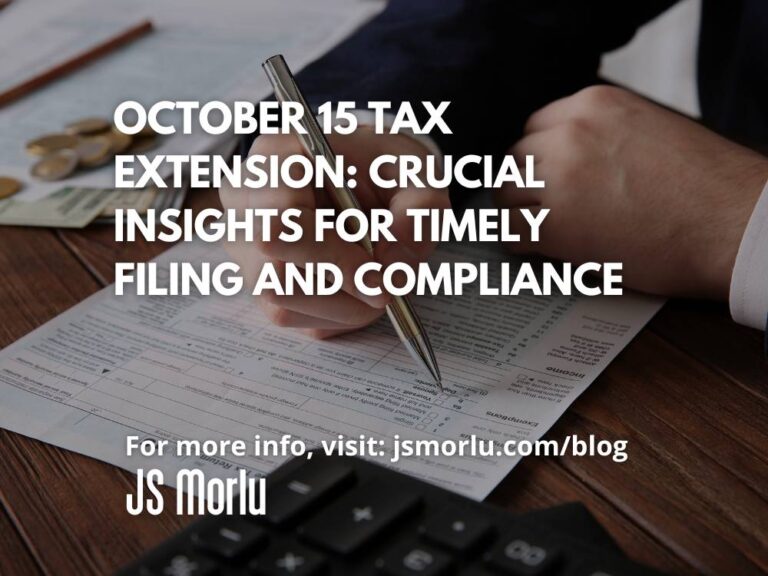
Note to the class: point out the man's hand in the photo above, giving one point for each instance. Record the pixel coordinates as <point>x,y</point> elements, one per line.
<point>628,181</point>
<point>324,316</point>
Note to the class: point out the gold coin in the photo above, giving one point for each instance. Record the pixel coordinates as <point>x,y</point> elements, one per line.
<point>142,144</point>
<point>88,126</point>
<point>119,141</point>
<point>8,186</point>
<point>56,165</point>
<point>146,131</point>
<point>95,151</point>
<point>51,143</point>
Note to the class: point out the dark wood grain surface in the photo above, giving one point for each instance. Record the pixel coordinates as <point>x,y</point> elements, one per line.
<point>690,394</point>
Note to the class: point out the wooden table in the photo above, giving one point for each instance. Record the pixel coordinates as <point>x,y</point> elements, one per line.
<point>690,394</point>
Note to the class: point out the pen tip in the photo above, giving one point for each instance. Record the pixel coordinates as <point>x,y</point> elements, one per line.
<point>421,351</point>
<point>434,371</point>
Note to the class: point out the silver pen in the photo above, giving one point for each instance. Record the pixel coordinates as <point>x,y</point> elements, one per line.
<point>400,310</point>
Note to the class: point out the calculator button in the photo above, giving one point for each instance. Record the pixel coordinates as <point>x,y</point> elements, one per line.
<point>475,571</point>
<point>290,560</point>
<point>457,528</point>
<point>605,566</point>
<point>182,565</point>
<point>303,489</point>
<point>359,516</point>
<point>229,537</point>
<point>414,560</point>
<point>522,555</point>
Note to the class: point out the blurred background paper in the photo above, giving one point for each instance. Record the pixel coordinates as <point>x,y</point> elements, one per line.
<point>199,50</point>
<point>38,36</point>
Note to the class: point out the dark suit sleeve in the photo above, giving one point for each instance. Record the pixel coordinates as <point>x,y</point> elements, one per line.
<point>495,60</point>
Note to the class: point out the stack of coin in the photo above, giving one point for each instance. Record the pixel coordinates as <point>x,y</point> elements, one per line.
<point>56,165</point>
<point>86,143</point>
<point>8,186</point>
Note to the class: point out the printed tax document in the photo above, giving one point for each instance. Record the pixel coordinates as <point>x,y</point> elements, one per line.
<point>213,368</point>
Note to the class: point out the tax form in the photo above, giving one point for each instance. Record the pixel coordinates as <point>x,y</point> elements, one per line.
<point>213,368</point>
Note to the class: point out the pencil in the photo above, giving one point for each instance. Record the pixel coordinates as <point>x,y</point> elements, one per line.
<point>78,61</point>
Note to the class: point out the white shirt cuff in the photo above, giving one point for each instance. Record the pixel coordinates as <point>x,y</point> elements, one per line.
<point>749,283</point>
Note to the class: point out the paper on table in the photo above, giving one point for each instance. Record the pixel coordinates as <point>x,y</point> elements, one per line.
<point>66,208</point>
<point>213,368</point>
<point>74,207</point>
<point>199,50</point>
<point>138,200</point>
<point>40,39</point>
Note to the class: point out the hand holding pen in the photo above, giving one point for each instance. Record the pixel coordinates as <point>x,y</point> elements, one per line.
<point>348,310</point>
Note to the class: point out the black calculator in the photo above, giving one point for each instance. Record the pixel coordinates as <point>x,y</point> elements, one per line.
<point>344,516</point>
